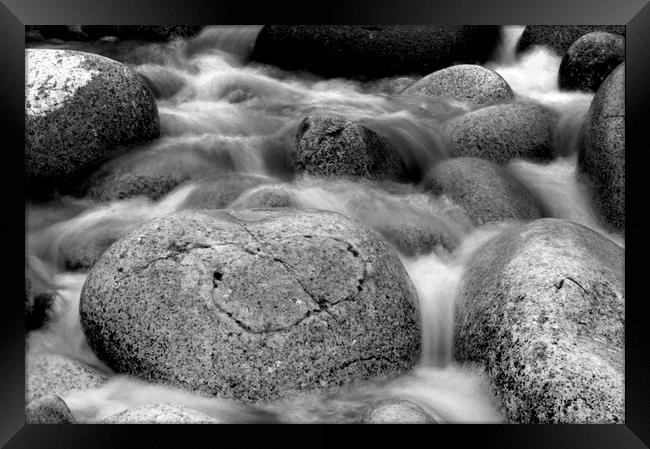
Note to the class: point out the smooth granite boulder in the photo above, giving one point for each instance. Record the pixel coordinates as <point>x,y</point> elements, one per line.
<point>560,37</point>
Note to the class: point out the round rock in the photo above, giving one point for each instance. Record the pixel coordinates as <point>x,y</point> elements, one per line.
<point>48,409</point>
<point>590,59</point>
<point>504,131</point>
<point>396,411</point>
<point>330,145</point>
<point>466,83</point>
<point>219,193</point>
<point>160,413</point>
<point>266,197</point>
<point>78,107</point>
<point>560,37</point>
<point>601,149</point>
<point>542,307</point>
<point>252,305</point>
<point>487,191</point>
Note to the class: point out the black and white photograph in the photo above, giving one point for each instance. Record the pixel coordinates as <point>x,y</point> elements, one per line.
<point>340,224</point>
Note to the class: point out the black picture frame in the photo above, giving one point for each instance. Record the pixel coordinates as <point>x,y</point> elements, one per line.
<point>635,14</point>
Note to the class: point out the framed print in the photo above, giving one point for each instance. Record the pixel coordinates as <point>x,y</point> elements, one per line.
<point>361,213</point>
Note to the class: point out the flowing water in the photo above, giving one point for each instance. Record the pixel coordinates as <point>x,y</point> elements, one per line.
<point>219,114</point>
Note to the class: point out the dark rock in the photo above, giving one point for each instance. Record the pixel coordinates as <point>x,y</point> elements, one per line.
<point>64,32</point>
<point>501,132</point>
<point>78,107</point>
<point>487,191</point>
<point>590,60</point>
<point>219,193</point>
<point>541,307</point>
<point>465,82</point>
<point>252,305</point>
<point>266,197</point>
<point>33,36</point>
<point>54,374</point>
<point>330,145</point>
<point>142,32</point>
<point>48,409</point>
<point>560,37</point>
<point>396,411</point>
<point>601,149</point>
<point>160,413</point>
<point>373,51</point>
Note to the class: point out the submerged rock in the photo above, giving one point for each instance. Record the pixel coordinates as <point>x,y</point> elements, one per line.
<point>252,305</point>
<point>373,51</point>
<point>601,149</point>
<point>396,411</point>
<point>590,60</point>
<point>488,192</point>
<point>542,308</point>
<point>143,32</point>
<point>54,374</point>
<point>560,37</point>
<point>160,413</point>
<point>465,82</point>
<point>79,107</point>
<point>48,409</point>
<point>219,193</point>
<point>501,132</point>
<point>330,145</point>
<point>266,197</point>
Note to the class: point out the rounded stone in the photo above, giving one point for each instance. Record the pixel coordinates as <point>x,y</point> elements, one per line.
<point>502,132</point>
<point>373,51</point>
<point>48,409</point>
<point>487,191</point>
<point>590,59</point>
<point>266,197</point>
<point>330,145</point>
<point>253,305</point>
<point>78,108</point>
<point>396,411</point>
<point>466,83</point>
<point>560,37</point>
<point>55,374</point>
<point>160,413</point>
<point>219,193</point>
<point>601,149</point>
<point>541,307</point>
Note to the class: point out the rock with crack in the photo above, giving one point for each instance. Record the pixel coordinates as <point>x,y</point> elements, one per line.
<point>252,304</point>
<point>542,308</point>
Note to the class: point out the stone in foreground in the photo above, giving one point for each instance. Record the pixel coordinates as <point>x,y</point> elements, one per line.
<point>252,305</point>
<point>160,413</point>
<point>49,409</point>
<point>396,411</point>
<point>542,308</point>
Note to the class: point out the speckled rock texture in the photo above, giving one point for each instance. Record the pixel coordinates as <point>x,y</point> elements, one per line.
<point>219,193</point>
<point>560,37</point>
<point>78,108</point>
<point>590,59</point>
<point>601,149</point>
<point>396,411</point>
<point>252,305</point>
<point>266,197</point>
<point>542,308</point>
<point>160,413</point>
<point>465,82</point>
<point>373,51</point>
<point>487,191</point>
<point>501,132</point>
<point>54,374</point>
<point>48,409</point>
<point>330,145</point>
<point>143,32</point>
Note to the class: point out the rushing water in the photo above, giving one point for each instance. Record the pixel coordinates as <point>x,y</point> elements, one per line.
<point>220,113</point>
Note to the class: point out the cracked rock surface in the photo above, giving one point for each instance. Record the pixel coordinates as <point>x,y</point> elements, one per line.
<point>541,307</point>
<point>252,304</point>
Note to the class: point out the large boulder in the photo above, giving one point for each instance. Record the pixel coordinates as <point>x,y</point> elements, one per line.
<point>487,191</point>
<point>590,59</point>
<point>504,131</point>
<point>55,374</point>
<point>373,51</point>
<point>252,305</point>
<point>160,413</point>
<point>601,149</point>
<point>542,308</point>
<point>396,411</point>
<point>464,82</point>
<point>560,37</point>
<point>49,409</point>
<point>78,108</point>
<point>331,145</point>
